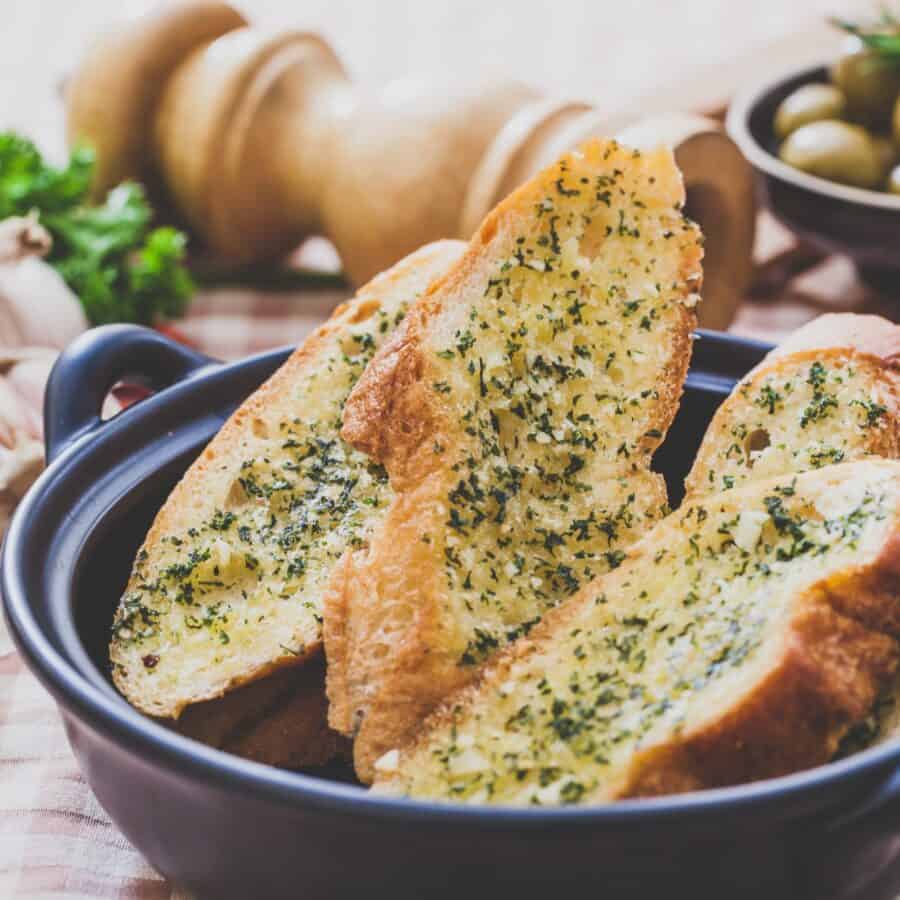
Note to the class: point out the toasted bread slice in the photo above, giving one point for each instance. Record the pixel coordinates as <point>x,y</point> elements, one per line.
<point>280,720</point>
<point>739,640</point>
<point>880,725</point>
<point>829,394</point>
<point>872,335</point>
<point>516,412</point>
<point>826,394</point>
<point>228,585</point>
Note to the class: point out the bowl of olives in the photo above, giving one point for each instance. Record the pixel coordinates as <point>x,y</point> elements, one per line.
<point>825,143</point>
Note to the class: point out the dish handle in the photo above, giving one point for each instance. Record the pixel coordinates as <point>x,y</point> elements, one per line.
<point>94,362</point>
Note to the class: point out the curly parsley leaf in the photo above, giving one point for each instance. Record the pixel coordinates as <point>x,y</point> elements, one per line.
<point>27,183</point>
<point>120,268</point>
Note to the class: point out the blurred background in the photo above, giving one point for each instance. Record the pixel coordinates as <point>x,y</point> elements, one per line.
<point>400,170</point>
<point>610,53</point>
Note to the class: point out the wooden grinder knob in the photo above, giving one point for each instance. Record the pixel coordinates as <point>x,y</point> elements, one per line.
<point>260,139</point>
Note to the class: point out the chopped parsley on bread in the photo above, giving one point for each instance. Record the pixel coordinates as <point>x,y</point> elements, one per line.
<point>826,395</point>
<point>228,585</point>
<point>515,411</point>
<point>739,639</point>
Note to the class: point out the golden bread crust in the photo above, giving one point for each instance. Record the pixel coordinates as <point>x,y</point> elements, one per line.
<point>396,629</point>
<point>830,647</point>
<point>174,640</point>
<point>863,422</point>
<point>777,420</point>
<point>866,334</point>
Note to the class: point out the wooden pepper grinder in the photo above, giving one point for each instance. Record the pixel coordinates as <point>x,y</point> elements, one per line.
<point>260,139</point>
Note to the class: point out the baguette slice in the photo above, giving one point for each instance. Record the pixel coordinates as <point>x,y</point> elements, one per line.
<point>716,654</point>
<point>828,394</point>
<point>759,431</point>
<point>228,585</point>
<point>516,412</point>
<point>280,720</point>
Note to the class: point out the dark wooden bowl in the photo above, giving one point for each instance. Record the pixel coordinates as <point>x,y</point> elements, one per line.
<point>836,218</point>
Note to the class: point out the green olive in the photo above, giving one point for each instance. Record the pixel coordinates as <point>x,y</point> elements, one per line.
<point>893,182</point>
<point>870,84</point>
<point>836,151</point>
<point>809,103</point>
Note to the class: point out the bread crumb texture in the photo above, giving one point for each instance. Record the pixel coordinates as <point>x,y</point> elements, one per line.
<point>702,660</point>
<point>826,395</point>
<point>559,371</point>
<point>522,402</point>
<point>228,585</point>
<point>802,412</point>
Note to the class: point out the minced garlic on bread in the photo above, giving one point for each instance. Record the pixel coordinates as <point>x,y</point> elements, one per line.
<point>739,640</point>
<point>516,411</point>
<point>228,585</point>
<point>828,394</point>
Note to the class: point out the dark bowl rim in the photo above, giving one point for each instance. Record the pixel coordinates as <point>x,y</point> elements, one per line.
<point>737,124</point>
<point>157,745</point>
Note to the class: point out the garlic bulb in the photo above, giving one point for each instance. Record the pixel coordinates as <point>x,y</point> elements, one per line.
<point>38,316</point>
<point>37,309</point>
<point>23,374</point>
<point>23,377</point>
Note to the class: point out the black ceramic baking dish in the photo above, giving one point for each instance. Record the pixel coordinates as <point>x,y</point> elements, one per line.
<point>225,827</point>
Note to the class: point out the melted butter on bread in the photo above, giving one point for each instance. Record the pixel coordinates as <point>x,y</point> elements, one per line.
<point>516,412</point>
<point>229,583</point>
<point>697,663</point>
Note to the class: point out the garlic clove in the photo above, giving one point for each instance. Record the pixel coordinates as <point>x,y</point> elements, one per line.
<point>28,379</point>
<point>36,306</point>
<point>17,420</point>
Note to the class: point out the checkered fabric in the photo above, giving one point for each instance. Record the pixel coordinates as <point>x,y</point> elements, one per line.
<point>55,840</point>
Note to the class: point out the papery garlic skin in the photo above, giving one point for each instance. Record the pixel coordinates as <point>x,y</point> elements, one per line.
<point>39,315</point>
<point>23,377</point>
<point>19,469</point>
<point>37,309</point>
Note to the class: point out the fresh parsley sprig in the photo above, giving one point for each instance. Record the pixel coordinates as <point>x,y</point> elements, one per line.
<point>881,36</point>
<point>120,268</point>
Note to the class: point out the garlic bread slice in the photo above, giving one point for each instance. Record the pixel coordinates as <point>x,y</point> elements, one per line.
<point>739,640</point>
<point>829,394</point>
<point>516,412</point>
<point>228,585</point>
